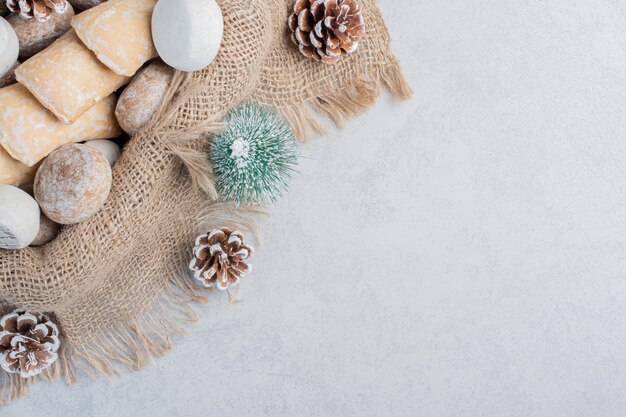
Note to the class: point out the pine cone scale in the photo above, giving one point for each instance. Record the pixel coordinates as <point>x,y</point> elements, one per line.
<point>5,339</point>
<point>305,20</point>
<point>59,6</point>
<point>317,9</point>
<point>26,323</point>
<point>293,22</point>
<point>242,268</point>
<point>301,5</point>
<point>40,332</point>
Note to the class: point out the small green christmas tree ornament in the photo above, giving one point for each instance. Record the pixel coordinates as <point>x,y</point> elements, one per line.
<point>255,156</point>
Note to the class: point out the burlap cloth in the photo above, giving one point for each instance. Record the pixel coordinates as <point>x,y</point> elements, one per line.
<point>117,284</point>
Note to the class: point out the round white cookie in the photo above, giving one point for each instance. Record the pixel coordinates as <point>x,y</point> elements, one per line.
<point>9,47</point>
<point>19,218</point>
<point>187,34</point>
<point>109,149</point>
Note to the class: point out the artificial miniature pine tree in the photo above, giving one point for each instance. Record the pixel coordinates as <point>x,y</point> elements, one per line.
<point>254,157</point>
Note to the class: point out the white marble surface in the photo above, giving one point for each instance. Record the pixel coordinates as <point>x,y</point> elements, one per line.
<point>462,254</point>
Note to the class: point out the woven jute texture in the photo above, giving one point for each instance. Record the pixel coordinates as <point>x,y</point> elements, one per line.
<point>118,284</point>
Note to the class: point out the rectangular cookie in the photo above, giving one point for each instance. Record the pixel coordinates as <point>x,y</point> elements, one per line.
<point>28,132</point>
<point>13,172</point>
<point>67,78</point>
<point>119,33</point>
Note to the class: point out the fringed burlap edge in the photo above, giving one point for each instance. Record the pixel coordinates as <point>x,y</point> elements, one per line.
<point>133,344</point>
<point>358,96</point>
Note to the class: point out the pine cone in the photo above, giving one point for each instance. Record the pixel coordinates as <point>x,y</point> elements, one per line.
<point>39,9</point>
<point>219,258</point>
<point>28,343</point>
<point>326,30</point>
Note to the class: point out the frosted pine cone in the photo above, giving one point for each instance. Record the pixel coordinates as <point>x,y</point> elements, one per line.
<point>220,258</point>
<point>39,9</point>
<point>28,343</point>
<point>326,30</point>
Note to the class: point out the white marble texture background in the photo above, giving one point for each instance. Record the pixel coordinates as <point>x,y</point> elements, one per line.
<point>462,254</point>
